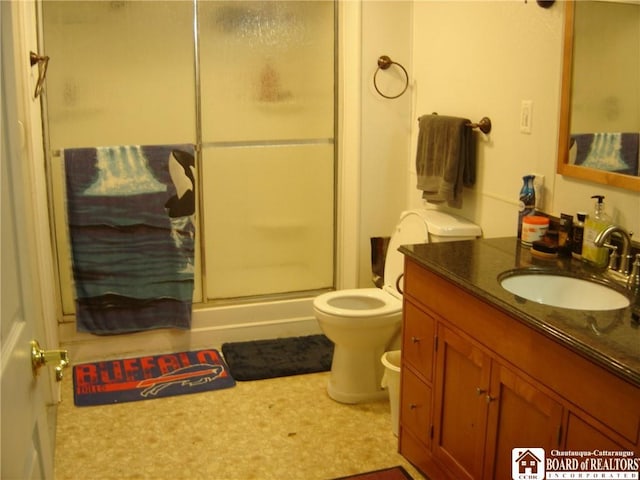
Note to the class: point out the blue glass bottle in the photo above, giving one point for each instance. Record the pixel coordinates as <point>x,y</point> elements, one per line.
<point>527,204</point>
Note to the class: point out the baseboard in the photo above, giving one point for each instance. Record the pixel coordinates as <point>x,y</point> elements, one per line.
<point>211,327</point>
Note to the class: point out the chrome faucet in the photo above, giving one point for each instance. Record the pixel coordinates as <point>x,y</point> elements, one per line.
<point>625,254</point>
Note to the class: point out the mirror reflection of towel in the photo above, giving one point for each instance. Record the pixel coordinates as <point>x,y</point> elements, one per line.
<point>445,158</point>
<point>611,151</point>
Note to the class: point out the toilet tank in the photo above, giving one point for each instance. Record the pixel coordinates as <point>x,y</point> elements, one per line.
<point>422,226</point>
<point>447,227</point>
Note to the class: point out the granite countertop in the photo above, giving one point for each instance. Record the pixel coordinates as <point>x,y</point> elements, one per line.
<point>609,338</point>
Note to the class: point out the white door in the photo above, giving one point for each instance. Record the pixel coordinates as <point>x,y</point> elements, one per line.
<point>26,399</point>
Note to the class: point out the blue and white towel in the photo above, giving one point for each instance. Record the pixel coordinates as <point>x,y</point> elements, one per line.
<point>130,214</point>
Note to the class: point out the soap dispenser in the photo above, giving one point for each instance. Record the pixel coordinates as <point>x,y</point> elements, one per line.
<point>594,224</point>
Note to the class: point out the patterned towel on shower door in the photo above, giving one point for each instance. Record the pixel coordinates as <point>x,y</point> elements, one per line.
<point>130,214</point>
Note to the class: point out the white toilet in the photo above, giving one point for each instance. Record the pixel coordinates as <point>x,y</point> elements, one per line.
<point>362,322</point>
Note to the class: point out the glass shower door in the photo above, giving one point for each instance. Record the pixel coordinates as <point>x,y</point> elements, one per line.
<point>267,83</point>
<point>250,84</point>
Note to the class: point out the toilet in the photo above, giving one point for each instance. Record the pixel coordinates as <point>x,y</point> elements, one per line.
<point>362,322</point>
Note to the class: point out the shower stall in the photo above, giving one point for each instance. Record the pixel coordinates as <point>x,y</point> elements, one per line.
<point>251,85</point>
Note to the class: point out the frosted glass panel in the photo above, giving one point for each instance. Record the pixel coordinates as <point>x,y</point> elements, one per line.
<point>120,72</point>
<point>266,70</point>
<point>268,219</point>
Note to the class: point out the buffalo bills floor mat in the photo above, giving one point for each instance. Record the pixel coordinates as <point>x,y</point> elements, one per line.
<point>144,378</point>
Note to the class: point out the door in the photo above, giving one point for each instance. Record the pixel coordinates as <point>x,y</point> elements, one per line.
<point>27,450</point>
<point>520,416</point>
<point>462,384</point>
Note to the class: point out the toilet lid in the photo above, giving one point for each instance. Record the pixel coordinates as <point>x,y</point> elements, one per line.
<point>411,229</point>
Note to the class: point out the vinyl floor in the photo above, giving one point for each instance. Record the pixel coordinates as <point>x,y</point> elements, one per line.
<point>282,428</point>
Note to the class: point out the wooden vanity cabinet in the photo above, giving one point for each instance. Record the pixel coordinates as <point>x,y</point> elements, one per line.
<point>477,383</point>
<point>484,409</point>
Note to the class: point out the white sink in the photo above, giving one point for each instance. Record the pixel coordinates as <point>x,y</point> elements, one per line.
<point>563,291</point>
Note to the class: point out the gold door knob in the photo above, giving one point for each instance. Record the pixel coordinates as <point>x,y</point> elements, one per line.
<point>59,359</point>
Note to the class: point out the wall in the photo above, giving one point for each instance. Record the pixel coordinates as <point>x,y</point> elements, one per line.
<point>481,58</point>
<point>386,124</point>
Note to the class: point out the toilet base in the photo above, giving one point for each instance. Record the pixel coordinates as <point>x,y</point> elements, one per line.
<point>356,375</point>
<point>356,397</point>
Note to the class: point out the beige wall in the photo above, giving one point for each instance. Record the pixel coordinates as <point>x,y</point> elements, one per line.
<point>471,59</point>
<point>479,58</point>
<point>386,124</point>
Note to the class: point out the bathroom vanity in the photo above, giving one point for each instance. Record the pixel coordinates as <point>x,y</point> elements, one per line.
<point>484,372</point>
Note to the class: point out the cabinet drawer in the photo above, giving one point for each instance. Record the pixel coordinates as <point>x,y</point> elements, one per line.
<point>418,340</point>
<point>417,283</point>
<point>415,408</point>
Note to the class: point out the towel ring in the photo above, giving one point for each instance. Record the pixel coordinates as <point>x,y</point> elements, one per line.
<point>384,62</point>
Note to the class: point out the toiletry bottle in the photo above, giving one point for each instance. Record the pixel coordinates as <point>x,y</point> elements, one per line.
<point>592,227</point>
<point>527,202</point>
<point>564,234</point>
<point>577,235</point>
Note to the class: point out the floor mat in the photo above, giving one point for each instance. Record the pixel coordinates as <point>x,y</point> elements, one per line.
<point>281,357</point>
<point>144,378</point>
<point>393,473</point>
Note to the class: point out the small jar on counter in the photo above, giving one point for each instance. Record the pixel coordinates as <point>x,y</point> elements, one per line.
<point>533,228</point>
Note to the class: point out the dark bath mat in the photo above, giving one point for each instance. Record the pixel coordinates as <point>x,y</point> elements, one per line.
<point>280,357</point>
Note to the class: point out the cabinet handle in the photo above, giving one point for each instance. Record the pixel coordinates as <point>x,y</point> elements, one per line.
<point>413,406</point>
<point>489,398</point>
<point>480,391</point>
<point>415,339</point>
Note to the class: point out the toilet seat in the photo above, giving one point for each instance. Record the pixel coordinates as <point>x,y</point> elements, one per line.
<point>358,302</point>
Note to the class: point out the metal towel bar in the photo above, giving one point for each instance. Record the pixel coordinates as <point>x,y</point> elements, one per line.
<point>484,125</point>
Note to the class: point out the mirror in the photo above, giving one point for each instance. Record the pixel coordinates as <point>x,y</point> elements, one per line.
<point>600,99</point>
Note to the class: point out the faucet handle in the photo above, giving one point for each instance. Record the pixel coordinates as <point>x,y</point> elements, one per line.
<point>634,278</point>
<point>613,256</point>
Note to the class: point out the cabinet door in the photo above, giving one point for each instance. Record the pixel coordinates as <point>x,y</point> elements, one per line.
<point>520,416</point>
<point>462,381</point>
<point>582,436</point>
